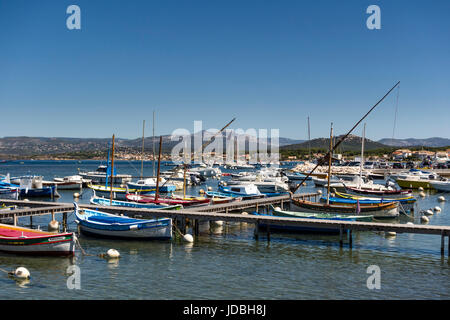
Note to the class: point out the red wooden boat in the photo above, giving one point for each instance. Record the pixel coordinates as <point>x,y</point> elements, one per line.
<point>29,241</point>
<point>185,202</point>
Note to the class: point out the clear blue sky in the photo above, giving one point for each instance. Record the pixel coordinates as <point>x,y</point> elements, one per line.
<point>268,63</point>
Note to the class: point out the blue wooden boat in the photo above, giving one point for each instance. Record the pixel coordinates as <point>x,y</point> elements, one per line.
<point>9,193</point>
<point>117,203</point>
<point>105,225</point>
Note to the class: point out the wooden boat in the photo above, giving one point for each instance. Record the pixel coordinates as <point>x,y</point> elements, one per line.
<point>22,240</point>
<point>9,193</point>
<point>102,224</point>
<point>305,215</point>
<point>107,202</point>
<point>219,197</point>
<point>170,201</point>
<point>118,193</point>
<point>379,193</point>
<point>325,216</point>
<point>377,210</point>
<point>406,203</point>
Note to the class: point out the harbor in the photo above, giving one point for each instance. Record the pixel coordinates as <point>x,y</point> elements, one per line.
<point>220,227</point>
<point>238,157</point>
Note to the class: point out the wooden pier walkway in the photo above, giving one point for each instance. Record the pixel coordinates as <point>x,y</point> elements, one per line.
<point>216,213</point>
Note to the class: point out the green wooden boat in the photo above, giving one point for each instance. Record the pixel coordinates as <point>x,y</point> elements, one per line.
<point>325,216</point>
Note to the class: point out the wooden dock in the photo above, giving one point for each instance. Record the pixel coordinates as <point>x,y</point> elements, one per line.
<point>222,212</point>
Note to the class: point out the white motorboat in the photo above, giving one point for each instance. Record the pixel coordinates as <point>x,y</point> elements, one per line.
<point>99,176</point>
<point>443,186</point>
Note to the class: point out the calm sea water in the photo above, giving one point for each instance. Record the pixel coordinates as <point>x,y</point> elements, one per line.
<point>227,263</point>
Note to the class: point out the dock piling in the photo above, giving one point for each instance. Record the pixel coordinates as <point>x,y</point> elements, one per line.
<point>442,243</point>
<point>341,233</point>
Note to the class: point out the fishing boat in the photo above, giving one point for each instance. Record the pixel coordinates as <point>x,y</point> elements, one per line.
<point>102,224</point>
<point>219,197</point>
<point>9,193</point>
<point>406,203</point>
<point>22,240</point>
<point>443,186</point>
<point>377,210</point>
<point>306,215</point>
<point>246,191</point>
<point>118,193</point>
<point>32,186</point>
<point>117,203</point>
<point>74,182</point>
<point>140,198</point>
<point>380,193</point>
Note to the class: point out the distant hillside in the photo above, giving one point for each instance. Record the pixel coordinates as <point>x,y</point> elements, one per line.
<point>27,146</point>
<point>352,143</point>
<point>430,142</point>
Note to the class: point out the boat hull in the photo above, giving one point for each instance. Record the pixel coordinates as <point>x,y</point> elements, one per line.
<point>445,187</point>
<point>388,210</point>
<point>62,244</point>
<point>414,184</point>
<point>104,225</point>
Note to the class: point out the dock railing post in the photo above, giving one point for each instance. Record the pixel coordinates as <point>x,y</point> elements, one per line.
<point>350,240</point>
<point>256,230</point>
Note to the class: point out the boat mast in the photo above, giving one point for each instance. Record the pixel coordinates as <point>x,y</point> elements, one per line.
<point>142,160</point>
<point>361,164</point>
<point>112,172</point>
<point>322,160</point>
<point>329,163</point>
<point>159,167</point>
<point>153,143</point>
<point>309,142</point>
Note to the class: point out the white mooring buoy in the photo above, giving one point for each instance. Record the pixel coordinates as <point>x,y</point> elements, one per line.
<point>422,194</point>
<point>22,273</point>
<point>437,209</point>
<point>53,225</point>
<point>424,219</point>
<point>209,188</point>
<point>112,254</point>
<point>420,188</point>
<point>188,237</point>
<point>76,195</point>
<point>441,198</point>
<point>319,191</point>
<point>429,212</point>
<point>391,233</point>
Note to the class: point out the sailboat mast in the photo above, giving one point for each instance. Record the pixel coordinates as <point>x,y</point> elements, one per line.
<point>361,165</point>
<point>153,143</point>
<point>112,172</point>
<point>329,164</point>
<point>159,168</point>
<point>309,142</point>
<point>142,155</point>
